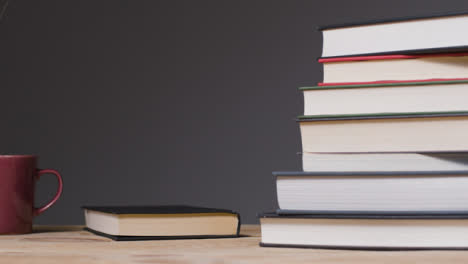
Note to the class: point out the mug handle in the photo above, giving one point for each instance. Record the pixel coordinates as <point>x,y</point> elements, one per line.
<point>38,211</point>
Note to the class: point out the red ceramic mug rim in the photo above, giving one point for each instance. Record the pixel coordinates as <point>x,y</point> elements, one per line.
<point>16,156</point>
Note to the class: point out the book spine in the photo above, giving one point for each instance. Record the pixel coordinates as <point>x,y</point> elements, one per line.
<point>381,116</point>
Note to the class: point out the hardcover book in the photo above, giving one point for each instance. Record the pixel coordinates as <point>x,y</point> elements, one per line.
<point>395,67</point>
<point>377,161</point>
<point>386,97</point>
<point>397,36</point>
<point>399,132</point>
<point>365,231</point>
<point>161,222</point>
<point>376,192</point>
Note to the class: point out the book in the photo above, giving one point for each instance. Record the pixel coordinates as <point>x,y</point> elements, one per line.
<point>161,222</point>
<point>361,231</point>
<point>429,161</point>
<point>435,33</point>
<point>386,97</point>
<point>402,132</point>
<point>376,192</point>
<point>395,67</point>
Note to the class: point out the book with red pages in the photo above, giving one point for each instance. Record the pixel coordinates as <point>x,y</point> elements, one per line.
<point>439,95</point>
<point>395,67</point>
<point>436,33</point>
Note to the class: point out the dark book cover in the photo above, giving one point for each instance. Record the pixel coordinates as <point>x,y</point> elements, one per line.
<point>161,209</point>
<point>382,116</point>
<point>357,85</point>
<point>140,238</point>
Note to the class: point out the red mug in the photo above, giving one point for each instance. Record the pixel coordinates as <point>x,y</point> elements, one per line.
<point>18,175</point>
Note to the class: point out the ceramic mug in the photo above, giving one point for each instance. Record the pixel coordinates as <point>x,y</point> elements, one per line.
<point>18,176</point>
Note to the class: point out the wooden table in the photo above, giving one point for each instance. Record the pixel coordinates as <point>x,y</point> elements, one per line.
<point>70,245</point>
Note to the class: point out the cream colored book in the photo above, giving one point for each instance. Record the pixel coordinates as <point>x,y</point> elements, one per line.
<point>395,67</point>
<point>386,97</point>
<point>393,161</point>
<point>161,222</point>
<point>402,132</point>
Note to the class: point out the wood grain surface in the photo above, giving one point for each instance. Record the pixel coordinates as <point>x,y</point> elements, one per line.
<point>70,245</point>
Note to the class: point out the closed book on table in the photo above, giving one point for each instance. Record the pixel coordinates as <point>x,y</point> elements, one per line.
<point>366,231</point>
<point>161,222</point>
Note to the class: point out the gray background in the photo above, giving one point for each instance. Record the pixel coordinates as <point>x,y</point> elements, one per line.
<point>166,102</point>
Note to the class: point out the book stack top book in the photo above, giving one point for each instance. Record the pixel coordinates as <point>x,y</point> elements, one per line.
<point>439,33</point>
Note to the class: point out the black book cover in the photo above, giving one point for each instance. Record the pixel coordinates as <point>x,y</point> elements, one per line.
<point>141,238</point>
<point>381,116</point>
<point>161,209</point>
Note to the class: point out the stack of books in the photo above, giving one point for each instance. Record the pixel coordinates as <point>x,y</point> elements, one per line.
<point>385,163</point>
